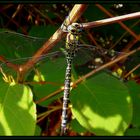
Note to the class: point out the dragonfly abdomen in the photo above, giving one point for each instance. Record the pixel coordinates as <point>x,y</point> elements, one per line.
<point>71,45</point>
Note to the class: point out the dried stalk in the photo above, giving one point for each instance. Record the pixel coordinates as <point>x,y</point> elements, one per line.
<point>90,74</point>
<point>76,12</point>
<point>110,20</point>
<point>122,24</point>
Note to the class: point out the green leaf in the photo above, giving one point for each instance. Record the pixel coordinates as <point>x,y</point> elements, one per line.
<point>17,110</point>
<point>132,132</point>
<point>102,105</point>
<point>134,89</point>
<point>37,131</point>
<point>77,127</point>
<point>15,46</point>
<point>51,71</point>
<point>98,14</point>
<point>42,31</point>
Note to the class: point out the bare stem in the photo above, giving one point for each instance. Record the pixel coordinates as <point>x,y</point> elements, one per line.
<point>136,67</point>
<point>76,12</point>
<point>107,65</point>
<point>49,96</point>
<point>110,20</point>
<point>90,74</point>
<point>121,23</point>
<point>9,64</point>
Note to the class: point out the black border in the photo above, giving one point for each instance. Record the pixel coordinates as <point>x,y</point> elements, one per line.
<point>70,137</point>
<point>68,2</point>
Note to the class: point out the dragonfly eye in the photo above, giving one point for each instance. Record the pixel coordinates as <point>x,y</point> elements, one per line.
<point>75,25</point>
<point>73,31</point>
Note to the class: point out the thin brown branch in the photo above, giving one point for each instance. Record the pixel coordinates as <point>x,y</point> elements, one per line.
<point>107,65</point>
<point>89,74</point>
<point>45,114</point>
<point>131,71</point>
<point>76,12</point>
<point>129,46</point>
<point>124,34</point>
<point>14,22</point>
<point>127,49</point>
<point>42,14</point>
<point>110,20</point>
<point>9,64</point>
<point>19,8</point>
<point>122,24</point>
<point>5,7</point>
<point>49,96</point>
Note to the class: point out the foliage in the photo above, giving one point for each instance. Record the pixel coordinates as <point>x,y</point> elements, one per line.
<point>17,110</point>
<point>105,103</point>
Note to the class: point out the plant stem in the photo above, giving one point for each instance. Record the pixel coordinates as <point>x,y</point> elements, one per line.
<point>121,23</point>
<point>121,57</point>
<point>75,13</point>
<point>110,20</point>
<point>106,65</point>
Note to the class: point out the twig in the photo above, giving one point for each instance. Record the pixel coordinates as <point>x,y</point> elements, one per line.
<point>76,12</point>
<point>122,24</point>
<point>19,7</point>
<point>110,20</point>
<point>9,64</point>
<point>132,71</point>
<point>42,14</point>
<point>45,114</point>
<point>49,96</point>
<point>106,65</point>
<point>124,34</point>
<point>127,48</point>
<point>89,74</point>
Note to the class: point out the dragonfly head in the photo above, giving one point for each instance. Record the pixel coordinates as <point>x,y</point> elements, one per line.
<point>75,28</point>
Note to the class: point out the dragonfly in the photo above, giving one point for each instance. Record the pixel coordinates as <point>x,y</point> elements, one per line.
<point>72,40</point>
<point>21,45</point>
<point>18,48</point>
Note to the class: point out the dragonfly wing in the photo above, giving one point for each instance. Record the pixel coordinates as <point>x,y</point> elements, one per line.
<point>18,46</point>
<point>97,56</point>
<point>15,45</point>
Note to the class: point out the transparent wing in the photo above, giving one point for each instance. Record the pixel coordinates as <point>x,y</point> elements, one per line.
<point>15,45</point>
<point>18,48</point>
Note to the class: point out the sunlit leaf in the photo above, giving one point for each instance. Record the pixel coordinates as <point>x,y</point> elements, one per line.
<point>37,131</point>
<point>17,110</point>
<point>54,74</point>
<point>134,89</point>
<point>102,105</point>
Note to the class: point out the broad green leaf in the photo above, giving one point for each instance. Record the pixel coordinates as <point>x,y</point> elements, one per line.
<point>37,131</point>
<point>17,110</point>
<point>42,31</point>
<point>102,105</point>
<point>98,14</point>
<point>15,46</point>
<point>77,127</point>
<point>134,89</point>
<point>52,72</point>
<point>132,132</point>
